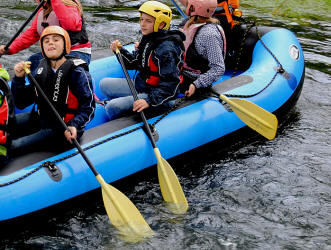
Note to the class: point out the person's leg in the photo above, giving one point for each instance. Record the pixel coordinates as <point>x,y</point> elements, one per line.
<point>114,87</point>
<point>77,54</point>
<point>120,106</point>
<point>170,104</point>
<point>41,137</point>
<point>152,111</point>
<point>31,134</point>
<point>25,124</point>
<point>28,131</point>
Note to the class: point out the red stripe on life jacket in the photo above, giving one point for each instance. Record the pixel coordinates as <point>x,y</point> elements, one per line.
<point>3,137</point>
<point>72,104</point>
<point>154,77</point>
<point>3,121</point>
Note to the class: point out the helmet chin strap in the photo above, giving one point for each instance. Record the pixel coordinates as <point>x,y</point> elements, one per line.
<point>59,57</point>
<point>56,60</point>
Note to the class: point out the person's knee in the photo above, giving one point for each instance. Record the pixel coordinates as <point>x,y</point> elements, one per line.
<point>103,85</point>
<point>108,87</point>
<point>116,108</point>
<point>112,109</point>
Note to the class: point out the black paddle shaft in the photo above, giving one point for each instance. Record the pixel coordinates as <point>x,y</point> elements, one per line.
<point>24,24</point>
<point>79,148</point>
<point>135,96</point>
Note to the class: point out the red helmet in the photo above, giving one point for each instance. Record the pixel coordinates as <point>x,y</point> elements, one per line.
<point>52,30</point>
<point>204,8</point>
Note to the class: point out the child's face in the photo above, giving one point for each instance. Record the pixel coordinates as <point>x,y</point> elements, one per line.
<point>53,46</point>
<point>146,24</point>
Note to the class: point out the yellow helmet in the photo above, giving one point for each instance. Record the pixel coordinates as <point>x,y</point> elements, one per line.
<point>160,11</point>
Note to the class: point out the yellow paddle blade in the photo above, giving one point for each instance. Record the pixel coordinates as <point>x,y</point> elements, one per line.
<point>170,187</point>
<point>123,214</point>
<point>257,118</point>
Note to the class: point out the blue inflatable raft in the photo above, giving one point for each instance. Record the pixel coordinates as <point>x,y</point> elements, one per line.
<point>268,69</point>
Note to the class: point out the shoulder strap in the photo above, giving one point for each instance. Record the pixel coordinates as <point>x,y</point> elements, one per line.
<point>79,62</point>
<point>220,29</point>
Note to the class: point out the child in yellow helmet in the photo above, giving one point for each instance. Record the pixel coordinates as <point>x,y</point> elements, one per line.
<point>158,57</point>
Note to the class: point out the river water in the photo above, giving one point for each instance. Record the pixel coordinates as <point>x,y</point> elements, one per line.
<point>253,194</point>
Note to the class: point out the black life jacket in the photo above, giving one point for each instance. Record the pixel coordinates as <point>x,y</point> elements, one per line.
<point>80,36</point>
<point>229,15</point>
<point>193,59</point>
<point>229,10</point>
<point>57,89</point>
<point>7,115</point>
<point>149,71</point>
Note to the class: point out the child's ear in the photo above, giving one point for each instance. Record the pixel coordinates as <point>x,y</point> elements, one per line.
<point>162,25</point>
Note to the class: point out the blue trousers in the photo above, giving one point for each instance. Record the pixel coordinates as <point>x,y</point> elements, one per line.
<point>119,95</point>
<point>30,130</point>
<point>121,100</point>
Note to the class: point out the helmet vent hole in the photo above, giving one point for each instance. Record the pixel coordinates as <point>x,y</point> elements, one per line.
<point>192,9</point>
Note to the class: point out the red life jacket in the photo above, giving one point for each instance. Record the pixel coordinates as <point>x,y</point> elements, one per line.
<point>57,88</point>
<point>7,113</point>
<point>4,111</point>
<point>154,76</point>
<point>148,69</point>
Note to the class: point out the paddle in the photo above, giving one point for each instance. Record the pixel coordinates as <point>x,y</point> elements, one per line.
<point>24,24</point>
<point>121,211</point>
<point>170,187</point>
<point>255,117</point>
<point>179,9</point>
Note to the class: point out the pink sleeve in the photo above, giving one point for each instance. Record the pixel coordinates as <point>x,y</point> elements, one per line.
<point>69,16</point>
<point>29,37</point>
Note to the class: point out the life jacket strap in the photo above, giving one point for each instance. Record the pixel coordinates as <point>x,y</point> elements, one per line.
<point>223,6</point>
